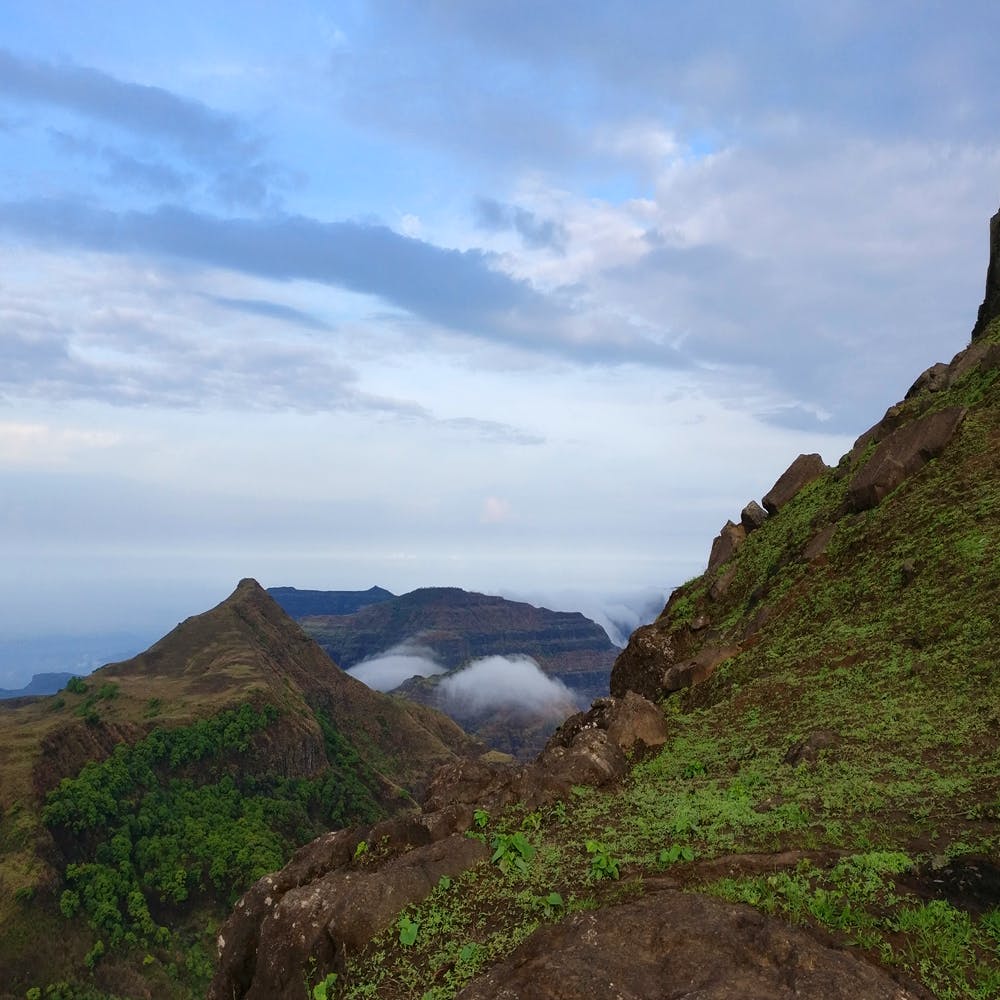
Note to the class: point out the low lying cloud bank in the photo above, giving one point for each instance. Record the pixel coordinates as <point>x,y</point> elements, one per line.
<point>505,682</point>
<point>389,669</point>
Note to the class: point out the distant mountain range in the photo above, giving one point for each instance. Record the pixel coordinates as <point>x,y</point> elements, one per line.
<point>457,626</point>
<point>300,603</point>
<point>508,672</point>
<point>40,684</point>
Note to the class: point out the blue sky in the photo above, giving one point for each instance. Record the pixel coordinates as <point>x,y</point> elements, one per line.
<point>521,297</point>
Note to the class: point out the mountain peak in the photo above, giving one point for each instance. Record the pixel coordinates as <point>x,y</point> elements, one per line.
<point>990,309</point>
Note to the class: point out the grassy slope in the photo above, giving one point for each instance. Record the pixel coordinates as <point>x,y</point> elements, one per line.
<point>904,671</point>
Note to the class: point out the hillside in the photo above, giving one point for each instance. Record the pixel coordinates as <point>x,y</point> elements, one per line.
<point>139,802</point>
<point>794,792</point>
<point>459,625</point>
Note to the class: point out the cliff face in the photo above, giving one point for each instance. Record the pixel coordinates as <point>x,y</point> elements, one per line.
<point>801,760</point>
<point>990,309</point>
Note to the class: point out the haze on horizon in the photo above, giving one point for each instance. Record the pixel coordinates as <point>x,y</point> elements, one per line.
<point>525,298</point>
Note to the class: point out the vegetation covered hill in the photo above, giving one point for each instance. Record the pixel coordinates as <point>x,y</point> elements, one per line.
<point>137,804</point>
<point>829,759</point>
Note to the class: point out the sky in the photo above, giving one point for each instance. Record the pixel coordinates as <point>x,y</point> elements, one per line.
<point>522,297</point>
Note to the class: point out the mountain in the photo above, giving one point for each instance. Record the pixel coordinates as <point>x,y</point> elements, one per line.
<point>459,626</point>
<point>139,802</point>
<point>76,654</point>
<point>39,684</point>
<point>299,603</point>
<point>794,790</point>
<point>475,646</point>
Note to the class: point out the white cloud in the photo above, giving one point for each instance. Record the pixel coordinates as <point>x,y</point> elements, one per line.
<point>389,669</point>
<point>505,682</point>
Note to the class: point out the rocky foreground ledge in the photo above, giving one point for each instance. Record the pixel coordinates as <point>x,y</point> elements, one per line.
<point>334,897</point>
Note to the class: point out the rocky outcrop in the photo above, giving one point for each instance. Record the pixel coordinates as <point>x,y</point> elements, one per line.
<point>729,539</point>
<point>800,473</point>
<point>673,944</point>
<point>651,650</point>
<point>752,516</point>
<point>334,895</point>
<point>905,451</point>
<point>990,308</point>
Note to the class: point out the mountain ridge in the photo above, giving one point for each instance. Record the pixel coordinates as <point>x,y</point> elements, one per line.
<point>236,709</point>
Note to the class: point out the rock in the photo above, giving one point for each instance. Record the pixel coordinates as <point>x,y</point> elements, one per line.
<point>800,473</point>
<point>905,451</point>
<point>635,721</point>
<point>342,911</point>
<point>729,539</point>
<point>978,355</point>
<point>935,379</point>
<point>674,944</point>
<point>807,750</point>
<point>816,545</point>
<point>752,516</point>
<point>990,308</point>
<point>720,587</point>
<point>697,669</point>
<point>651,649</point>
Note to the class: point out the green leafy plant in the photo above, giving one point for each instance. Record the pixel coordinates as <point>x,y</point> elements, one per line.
<point>674,853</point>
<point>512,852</point>
<point>533,821</point>
<point>324,988</point>
<point>480,818</point>
<point>76,685</point>
<point>361,850</point>
<point>550,905</point>
<point>408,931</point>
<point>602,864</point>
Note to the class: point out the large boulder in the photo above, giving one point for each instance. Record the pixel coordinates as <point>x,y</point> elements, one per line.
<point>651,650</point>
<point>990,308</point>
<point>752,516</point>
<point>800,473</point>
<point>674,944</point>
<point>729,539</point>
<point>905,451</point>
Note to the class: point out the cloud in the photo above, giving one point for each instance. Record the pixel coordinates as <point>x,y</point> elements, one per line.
<point>219,144</point>
<point>496,216</point>
<point>271,310</point>
<point>456,289</point>
<point>619,613</point>
<point>192,126</point>
<point>123,169</point>
<point>388,670</point>
<point>505,682</point>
